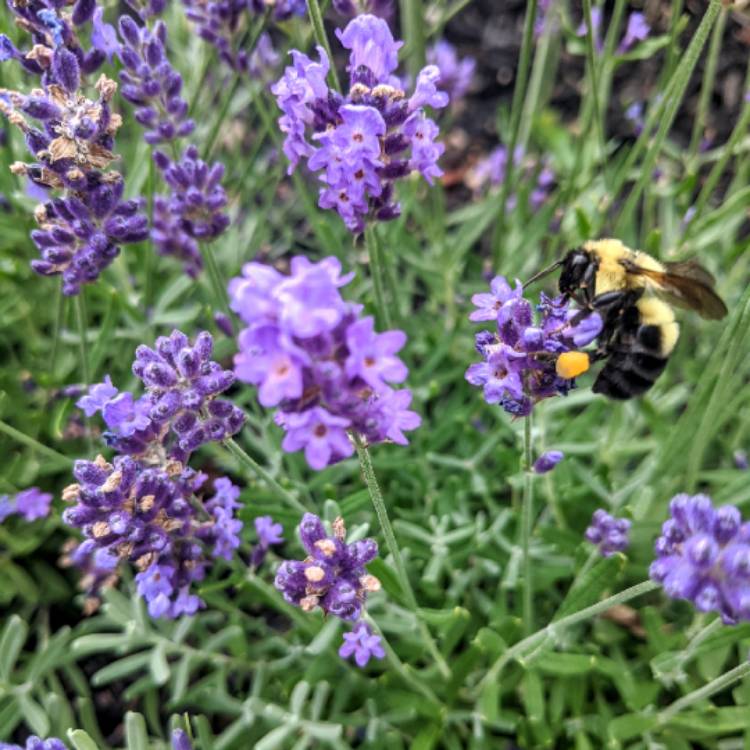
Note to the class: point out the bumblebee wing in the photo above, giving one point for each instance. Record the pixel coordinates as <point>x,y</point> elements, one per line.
<point>686,284</point>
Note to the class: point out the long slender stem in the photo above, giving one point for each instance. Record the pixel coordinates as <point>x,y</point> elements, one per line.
<point>376,267</point>
<point>519,94</point>
<point>390,539</point>
<point>721,682</point>
<point>594,82</point>
<point>413,30</point>
<point>83,344</point>
<point>527,644</point>
<point>316,16</point>
<point>20,437</point>
<point>58,324</point>
<point>672,103</point>
<point>259,471</point>
<point>527,515</point>
<point>401,668</point>
<point>221,300</point>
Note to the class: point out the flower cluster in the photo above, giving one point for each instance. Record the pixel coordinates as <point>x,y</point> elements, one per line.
<point>269,534</point>
<point>371,137</point>
<point>36,743</point>
<point>519,364</point>
<point>491,170</point>
<point>333,577</point>
<point>608,533</point>
<point>80,233</point>
<point>636,31</point>
<point>51,29</point>
<point>703,555</point>
<point>282,9</point>
<point>314,355</point>
<point>180,410</point>
<point>152,517</point>
<point>192,212</point>
<point>144,507</point>
<point>29,504</point>
<point>456,73</point>
<point>151,83</point>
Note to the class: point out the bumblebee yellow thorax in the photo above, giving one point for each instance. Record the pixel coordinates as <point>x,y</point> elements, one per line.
<point>611,275</point>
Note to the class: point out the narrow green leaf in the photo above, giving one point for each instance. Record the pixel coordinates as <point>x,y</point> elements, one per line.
<point>158,665</point>
<point>564,665</point>
<point>276,738</point>
<point>33,714</point>
<point>81,741</point>
<point>13,638</point>
<point>136,737</point>
<point>594,582</point>
<point>121,668</point>
<point>630,725</point>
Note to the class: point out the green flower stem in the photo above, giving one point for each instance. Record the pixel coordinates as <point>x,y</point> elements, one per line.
<point>531,642</point>
<point>218,285</point>
<point>673,97</point>
<point>519,95</point>
<point>20,437</point>
<point>405,672</point>
<point>594,83</point>
<point>413,32</point>
<point>374,252</point>
<point>259,471</point>
<point>58,324</point>
<point>390,539</point>
<point>707,86</point>
<point>81,318</point>
<point>254,36</point>
<point>721,682</point>
<point>740,129</point>
<point>527,523</point>
<point>316,17</point>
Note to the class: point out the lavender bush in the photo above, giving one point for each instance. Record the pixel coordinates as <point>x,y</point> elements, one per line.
<point>269,484</point>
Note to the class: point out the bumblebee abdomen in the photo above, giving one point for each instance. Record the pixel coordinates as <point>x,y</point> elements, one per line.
<point>645,339</point>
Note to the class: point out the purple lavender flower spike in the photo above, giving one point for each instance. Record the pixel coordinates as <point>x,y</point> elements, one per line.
<point>362,644</point>
<point>269,534</point>
<point>519,359</point>
<point>33,503</point>
<point>282,9</point>
<point>333,576</point>
<point>130,511</point>
<point>703,555</point>
<point>456,73</point>
<point>180,740</point>
<point>151,83</point>
<point>312,354</point>
<point>193,212</point>
<point>80,233</point>
<point>596,30</point>
<point>547,461</point>
<point>97,396</point>
<point>637,30</point>
<point>608,533</point>
<point>360,144</point>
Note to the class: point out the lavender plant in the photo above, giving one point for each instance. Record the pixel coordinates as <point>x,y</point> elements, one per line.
<point>507,614</point>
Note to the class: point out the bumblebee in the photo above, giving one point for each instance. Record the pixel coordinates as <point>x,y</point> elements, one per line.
<point>634,294</point>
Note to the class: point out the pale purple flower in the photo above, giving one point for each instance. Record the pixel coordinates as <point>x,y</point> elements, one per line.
<point>364,141</point>
<point>33,503</point>
<point>362,644</point>
<point>322,435</point>
<point>268,531</point>
<point>703,555</point>
<point>608,533</point>
<point>97,397</point>
<point>637,30</point>
<point>456,73</point>
<point>596,23</point>
<point>313,355</point>
<point>180,740</point>
<point>740,460</point>
<point>547,461</point>
<point>518,365</point>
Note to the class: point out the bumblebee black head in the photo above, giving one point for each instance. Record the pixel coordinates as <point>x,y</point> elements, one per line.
<point>575,269</point>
